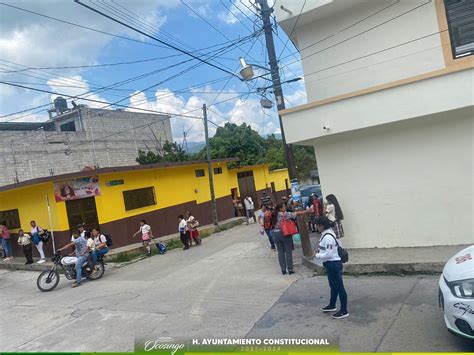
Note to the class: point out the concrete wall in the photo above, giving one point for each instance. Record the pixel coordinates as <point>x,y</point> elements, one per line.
<point>333,34</point>
<point>403,184</point>
<point>32,154</point>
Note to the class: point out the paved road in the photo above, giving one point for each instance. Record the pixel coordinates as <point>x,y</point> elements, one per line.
<point>229,287</point>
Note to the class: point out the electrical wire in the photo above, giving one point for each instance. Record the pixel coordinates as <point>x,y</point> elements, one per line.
<point>155,38</point>
<point>292,30</point>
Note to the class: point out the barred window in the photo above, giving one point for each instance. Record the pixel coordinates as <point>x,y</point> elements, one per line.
<point>460,16</point>
<point>11,218</point>
<point>139,198</point>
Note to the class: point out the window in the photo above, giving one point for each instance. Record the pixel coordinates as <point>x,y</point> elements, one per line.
<point>68,127</point>
<point>460,16</point>
<point>273,188</point>
<point>11,219</point>
<point>139,198</point>
<point>200,173</point>
<point>217,171</point>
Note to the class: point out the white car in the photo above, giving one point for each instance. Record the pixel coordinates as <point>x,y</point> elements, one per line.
<point>456,293</point>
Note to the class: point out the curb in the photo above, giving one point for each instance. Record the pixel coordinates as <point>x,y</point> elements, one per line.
<point>382,268</point>
<point>129,251</point>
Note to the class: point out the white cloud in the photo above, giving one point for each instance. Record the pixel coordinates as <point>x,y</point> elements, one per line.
<point>234,15</point>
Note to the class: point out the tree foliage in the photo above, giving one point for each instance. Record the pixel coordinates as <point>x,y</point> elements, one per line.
<point>242,142</point>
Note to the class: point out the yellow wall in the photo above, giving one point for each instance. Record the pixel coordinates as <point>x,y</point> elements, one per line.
<point>173,186</point>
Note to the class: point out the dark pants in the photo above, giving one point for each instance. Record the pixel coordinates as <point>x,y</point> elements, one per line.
<point>285,250</point>
<point>269,233</point>
<point>184,239</point>
<point>28,251</point>
<point>334,271</point>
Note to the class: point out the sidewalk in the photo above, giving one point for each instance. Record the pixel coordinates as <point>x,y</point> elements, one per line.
<point>128,251</point>
<point>414,260</point>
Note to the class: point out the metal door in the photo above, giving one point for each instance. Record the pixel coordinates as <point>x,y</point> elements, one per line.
<point>82,211</point>
<point>247,186</point>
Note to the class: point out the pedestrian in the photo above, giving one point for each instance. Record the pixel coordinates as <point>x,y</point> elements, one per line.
<point>182,232</point>
<point>267,225</point>
<point>317,206</point>
<point>36,232</point>
<point>5,235</point>
<point>334,214</point>
<point>260,218</point>
<point>235,203</point>
<point>266,200</point>
<point>187,216</point>
<point>328,255</point>
<point>145,231</point>
<point>193,225</point>
<point>284,244</point>
<point>100,245</point>
<point>82,254</point>
<point>24,240</point>
<point>249,209</point>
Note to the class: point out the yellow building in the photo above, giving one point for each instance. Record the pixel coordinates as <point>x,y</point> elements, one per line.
<point>117,198</point>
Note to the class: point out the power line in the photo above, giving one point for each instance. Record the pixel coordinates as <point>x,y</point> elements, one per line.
<point>292,30</point>
<point>360,33</point>
<point>156,39</point>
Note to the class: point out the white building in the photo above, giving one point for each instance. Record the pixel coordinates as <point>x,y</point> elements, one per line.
<point>390,86</point>
<point>77,138</point>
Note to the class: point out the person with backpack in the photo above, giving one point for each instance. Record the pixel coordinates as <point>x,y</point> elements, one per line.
<point>334,213</point>
<point>328,255</point>
<point>265,219</point>
<point>101,246</point>
<point>145,231</point>
<point>5,235</point>
<point>36,233</point>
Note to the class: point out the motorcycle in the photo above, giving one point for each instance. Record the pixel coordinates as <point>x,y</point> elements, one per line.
<point>48,280</point>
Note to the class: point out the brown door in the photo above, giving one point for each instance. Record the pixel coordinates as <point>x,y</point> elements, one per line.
<point>82,211</point>
<point>247,186</point>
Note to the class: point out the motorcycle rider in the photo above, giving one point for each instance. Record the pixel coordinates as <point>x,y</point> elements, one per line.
<point>82,253</point>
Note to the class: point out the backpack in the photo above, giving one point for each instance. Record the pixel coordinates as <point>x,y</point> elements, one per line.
<point>343,254</point>
<point>108,240</point>
<point>161,248</point>
<point>45,236</point>
<point>267,221</point>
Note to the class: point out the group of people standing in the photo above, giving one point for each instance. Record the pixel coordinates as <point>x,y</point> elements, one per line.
<point>188,230</point>
<point>325,219</point>
<point>38,236</point>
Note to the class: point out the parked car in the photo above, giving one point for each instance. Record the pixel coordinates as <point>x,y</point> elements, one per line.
<point>307,191</point>
<point>456,293</point>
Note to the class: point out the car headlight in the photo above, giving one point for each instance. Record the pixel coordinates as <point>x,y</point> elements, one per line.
<point>462,288</point>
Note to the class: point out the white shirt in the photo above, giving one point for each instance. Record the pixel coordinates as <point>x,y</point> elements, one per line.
<point>331,212</point>
<point>37,229</point>
<point>248,203</point>
<point>145,229</point>
<point>328,247</point>
<point>182,226</point>
<point>100,239</point>
<point>261,217</point>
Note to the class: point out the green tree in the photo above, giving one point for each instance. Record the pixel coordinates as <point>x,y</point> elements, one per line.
<point>233,141</point>
<point>171,152</point>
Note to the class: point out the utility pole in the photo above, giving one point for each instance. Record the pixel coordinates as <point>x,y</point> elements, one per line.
<point>209,167</point>
<point>265,12</point>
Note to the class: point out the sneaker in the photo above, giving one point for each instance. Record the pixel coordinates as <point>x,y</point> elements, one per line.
<point>283,272</point>
<point>41,261</point>
<point>291,272</point>
<point>273,248</point>
<point>329,309</point>
<point>75,284</point>
<point>340,314</point>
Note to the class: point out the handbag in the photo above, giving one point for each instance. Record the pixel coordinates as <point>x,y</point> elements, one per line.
<point>288,228</point>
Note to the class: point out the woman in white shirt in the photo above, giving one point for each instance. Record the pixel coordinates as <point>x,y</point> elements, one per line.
<point>334,213</point>
<point>145,230</point>
<point>36,232</point>
<point>328,255</point>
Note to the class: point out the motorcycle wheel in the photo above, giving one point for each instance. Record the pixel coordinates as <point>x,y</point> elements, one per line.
<point>47,280</point>
<point>100,270</point>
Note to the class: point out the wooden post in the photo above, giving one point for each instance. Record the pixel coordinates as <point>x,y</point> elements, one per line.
<point>304,233</point>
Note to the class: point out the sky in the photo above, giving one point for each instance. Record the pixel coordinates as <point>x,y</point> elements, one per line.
<point>34,51</point>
